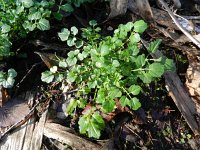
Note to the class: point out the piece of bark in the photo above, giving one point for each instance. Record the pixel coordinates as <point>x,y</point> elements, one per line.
<point>193,83</point>
<point>142,8</point>
<point>26,137</point>
<point>193,77</point>
<point>61,134</point>
<point>181,98</point>
<point>195,41</point>
<point>118,7</point>
<point>17,139</point>
<point>3,95</point>
<point>13,111</point>
<point>36,142</point>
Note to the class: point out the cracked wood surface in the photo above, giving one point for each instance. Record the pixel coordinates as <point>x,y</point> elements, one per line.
<point>185,104</point>
<point>26,137</point>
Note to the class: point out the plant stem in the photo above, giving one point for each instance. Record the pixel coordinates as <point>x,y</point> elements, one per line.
<point>139,69</point>
<point>126,92</point>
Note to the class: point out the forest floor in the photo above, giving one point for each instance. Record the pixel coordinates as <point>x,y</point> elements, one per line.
<point>157,124</point>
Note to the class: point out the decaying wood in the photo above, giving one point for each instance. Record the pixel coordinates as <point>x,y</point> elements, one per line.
<point>3,95</point>
<point>60,133</point>
<point>36,142</point>
<point>118,7</point>
<point>181,98</point>
<point>193,81</point>
<point>19,139</point>
<point>142,8</point>
<point>196,42</point>
<point>26,137</point>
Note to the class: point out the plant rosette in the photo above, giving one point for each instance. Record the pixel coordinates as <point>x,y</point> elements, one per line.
<point>105,69</point>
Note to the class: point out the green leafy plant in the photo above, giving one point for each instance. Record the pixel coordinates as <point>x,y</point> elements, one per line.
<point>109,69</point>
<point>20,17</point>
<point>67,6</point>
<point>17,18</point>
<point>7,79</point>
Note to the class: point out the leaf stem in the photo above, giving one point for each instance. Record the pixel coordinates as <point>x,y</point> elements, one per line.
<point>126,92</point>
<point>140,69</point>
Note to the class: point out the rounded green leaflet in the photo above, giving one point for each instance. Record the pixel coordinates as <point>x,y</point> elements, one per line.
<point>129,26</point>
<point>116,63</point>
<point>83,124</point>
<point>8,83</point>
<point>133,49</point>
<point>93,129</point>
<point>134,89</point>
<point>140,26</point>
<point>81,56</point>
<point>79,44</point>
<point>59,77</point>
<point>43,24</point>
<point>71,41</point>
<point>124,101</point>
<point>104,49</point>
<point>91,124</point>
<point>35,16</point>
<point>98,120</point>
<point>47,76</point>
<point>74,30</point>
<point>156,70</point>
<point>100,96</point>
<point>92,23</point>
<point>67,7</point>
<point>71,61</point>
<point>27,3</point>
<point>64,34</point>
<point>140,61</point>
<point>134,103</point>
<point>134,38</point>
<point>169,65</point>
<point>71,106</point>
<point>71,76</point>
<point>5,28</point>
<point>12,73</point>
<point>100,62</point>
<point>108,105</point>
<point>29,26</point>
<point>146,77</point>
<point>63,63</point>
<point>54,69</point>
<point>114,92</point>
<point>71,54</point>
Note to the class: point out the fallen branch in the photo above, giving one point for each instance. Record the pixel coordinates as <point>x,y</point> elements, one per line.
<point>60,133</point>
<point>196,42</point>
<point>180,96</point>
